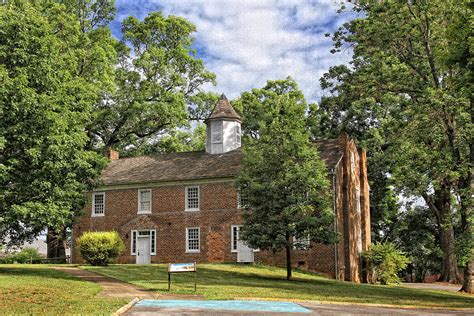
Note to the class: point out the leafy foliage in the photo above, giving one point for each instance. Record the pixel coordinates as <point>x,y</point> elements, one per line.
<point>407,97</point>
<point>384,261</point>
<point>284,180</point>
<point>98,248</point>
<point>45,103</point>
<point>417,235</point>
<point>26,255</point>
<point>157,77</point>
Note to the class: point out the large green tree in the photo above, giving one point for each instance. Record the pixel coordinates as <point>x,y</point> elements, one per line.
<point>45,104</point>
<point>284,180</point>
<point>157,77</point>
<point>408,91</point>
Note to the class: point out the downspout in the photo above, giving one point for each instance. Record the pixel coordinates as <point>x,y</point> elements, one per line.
<point>336,257</point>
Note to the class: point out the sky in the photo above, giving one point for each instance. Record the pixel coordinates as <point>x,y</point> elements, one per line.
<point>247,42</point>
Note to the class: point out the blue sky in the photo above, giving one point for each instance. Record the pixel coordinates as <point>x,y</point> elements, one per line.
<point>245,42</point>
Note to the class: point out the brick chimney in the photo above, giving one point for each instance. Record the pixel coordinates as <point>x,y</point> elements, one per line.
<point>112,154</point>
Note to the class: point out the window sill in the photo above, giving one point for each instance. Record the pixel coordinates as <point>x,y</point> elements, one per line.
<point>97,215</point>
<point>193,251</point>
<point>148,212</point>
<point>191,210</point>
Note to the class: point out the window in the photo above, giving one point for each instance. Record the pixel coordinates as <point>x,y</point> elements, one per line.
<point>98,204</point>
<point>353,164</point>
<point>192,239</point>
<point>144,201</point>
<point>217,133</point>
<point>134,242</point>
<point>152,242</point>
<point>192,198</point>
<point>238,134</point>
<point>234,237</point>
<point>301,243</point>
<point>235,232</point>
<point>358,200</point>
<point>242,201</point>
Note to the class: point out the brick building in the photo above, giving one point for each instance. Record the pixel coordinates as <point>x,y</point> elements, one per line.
<point>184,207</point>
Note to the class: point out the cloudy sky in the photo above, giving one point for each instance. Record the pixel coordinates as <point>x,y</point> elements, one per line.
<point>247,42</point>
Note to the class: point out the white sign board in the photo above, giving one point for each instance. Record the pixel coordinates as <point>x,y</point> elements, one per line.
<point>182,267</point>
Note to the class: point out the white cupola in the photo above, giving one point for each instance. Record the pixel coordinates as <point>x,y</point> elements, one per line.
<point>223,132</point>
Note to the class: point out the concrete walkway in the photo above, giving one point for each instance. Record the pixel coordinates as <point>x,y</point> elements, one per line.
<point>312,309</point>
<point>110,287</point>
<point>434,286</point>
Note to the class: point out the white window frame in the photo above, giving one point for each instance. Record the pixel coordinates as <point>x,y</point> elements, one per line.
<point>186,207</point>
<point>187,240</point>
<point>238,134</point>
<point>134,234</point>
<point>133,240</point>
<point>217,130</point>
<point>234,238</point>
<point>358,204</point>
<point>152,242</point>
<point>306,241</point>
<point>94,214</point>
<point>239,201</point>
<point>140,211</point>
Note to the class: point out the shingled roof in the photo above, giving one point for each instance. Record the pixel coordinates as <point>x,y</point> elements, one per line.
<point>172,167</point>
<point>223,109</point>
<point>194,165</point>
<point>330,150</point>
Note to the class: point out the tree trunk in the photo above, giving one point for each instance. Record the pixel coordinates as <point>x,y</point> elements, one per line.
<point>466,186</point>
<point>288,257</point>
<point>56,244</point>
<point>446,233</point>
<point>468,285</point>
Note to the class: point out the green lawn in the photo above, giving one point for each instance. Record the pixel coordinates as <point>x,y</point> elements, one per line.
<point>229,281</point>
<point>40,290</point>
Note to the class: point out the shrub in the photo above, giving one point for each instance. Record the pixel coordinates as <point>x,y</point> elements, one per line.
<point>26,255</point>
<point>384,261</point>
<point>98,248</point>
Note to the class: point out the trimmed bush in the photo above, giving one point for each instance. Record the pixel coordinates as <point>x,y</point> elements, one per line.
<point>26,255</point>
<point>384,261</point>
<point>98,248</point>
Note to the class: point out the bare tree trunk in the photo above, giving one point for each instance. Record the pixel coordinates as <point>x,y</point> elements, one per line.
<point>288,257</point>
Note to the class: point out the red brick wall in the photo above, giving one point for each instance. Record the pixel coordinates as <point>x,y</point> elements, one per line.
<point>218,212</point>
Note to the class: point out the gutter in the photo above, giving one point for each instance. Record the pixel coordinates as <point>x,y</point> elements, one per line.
<point>336,257</point>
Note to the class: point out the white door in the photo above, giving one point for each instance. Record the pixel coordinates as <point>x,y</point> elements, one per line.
<point>244,252</point>
<point>143,250</point>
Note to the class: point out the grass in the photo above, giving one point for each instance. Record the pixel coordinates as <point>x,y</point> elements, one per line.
<point>233,281</point>
<point>40,290</point>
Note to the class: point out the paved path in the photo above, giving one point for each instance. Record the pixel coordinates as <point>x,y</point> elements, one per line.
<point>434,286</point>
<point>110,287</point>
<point>312,309</point>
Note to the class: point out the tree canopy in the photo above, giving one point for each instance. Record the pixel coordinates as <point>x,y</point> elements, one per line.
<point>407,96</point>
<point>45,103</point>
<point>284,180</point>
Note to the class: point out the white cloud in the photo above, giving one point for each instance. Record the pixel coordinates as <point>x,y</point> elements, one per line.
<point>248,42</point>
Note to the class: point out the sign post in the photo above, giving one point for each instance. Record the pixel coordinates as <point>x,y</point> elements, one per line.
<point>180,268</point>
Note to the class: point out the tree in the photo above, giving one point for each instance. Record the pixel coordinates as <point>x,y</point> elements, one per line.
<point>284,181</point>
<point>157,76</point>
<point>408,91</point>
<point>417,235</point>
<point>45,105</point>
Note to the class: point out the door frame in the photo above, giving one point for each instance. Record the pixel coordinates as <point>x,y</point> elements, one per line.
<point>142,234</point>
